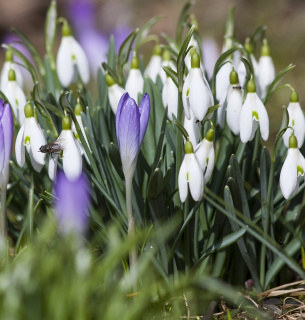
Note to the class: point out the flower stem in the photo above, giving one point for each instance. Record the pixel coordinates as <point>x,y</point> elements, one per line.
<point>179,148</point>
<point>133,256</point>
<point>3,230</point>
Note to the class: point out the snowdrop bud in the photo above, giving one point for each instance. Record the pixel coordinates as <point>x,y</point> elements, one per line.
<point>293,167</point>
<point>266,70</point>
<point>190,174</point>
<point>115,92</point>
<point>154,66</point>
<point>166,62</point>
<point>296,120</point>
<point>7,65</point>
<point>135,81</point>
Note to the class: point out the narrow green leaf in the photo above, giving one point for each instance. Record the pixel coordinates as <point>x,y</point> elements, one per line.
<point>30,211</point>
<point>115,157</point>
<point>171,73</point>
<point>111,57</point>
<point>50,27</point>
<point>111,71</point>
<point>181,22</point>
<point>155,186</point>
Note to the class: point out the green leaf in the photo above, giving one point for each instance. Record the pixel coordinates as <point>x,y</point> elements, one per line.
<point>171,73</point>
<point>30,211</point>
<point>124,54</point>
<point>111,56</point>
<point>181,22</point>
<point>115,157</point>
<point>155,186</point>
<point>111,71</point>
<point>50,27</point>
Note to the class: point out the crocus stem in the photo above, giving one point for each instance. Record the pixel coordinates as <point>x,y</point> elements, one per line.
<point>131,230</point>
<point>3,230</point>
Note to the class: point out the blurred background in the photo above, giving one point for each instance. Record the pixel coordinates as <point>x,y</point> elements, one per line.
<point>284,19</point>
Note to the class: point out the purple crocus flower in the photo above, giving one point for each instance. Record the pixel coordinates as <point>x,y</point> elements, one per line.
<point>72,204</point>
<point>131,123</point>
<point>6,141</point>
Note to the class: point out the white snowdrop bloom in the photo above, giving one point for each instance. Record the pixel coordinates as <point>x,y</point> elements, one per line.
<point>71,59</point>
<point>253,113</point>
<point>296,121</point>
<point>170,97</point>
<point>205,154</point>
<point>15,96</point>
<point>31,137</point>
<point>193,129</point>
<point>71,154</point>
<point>222,81</point>
<point>266,70</point>
<point>166,62</point>
<point>187,60</point>
<point>135,82</point>
<point>196,93</point>
<point>115,92</point>
<point>234,103</point>
<point>154,65</point>
<point>221,111</point>
<point>7,65</point>
<point>190,174</point>
<point>293,168</point>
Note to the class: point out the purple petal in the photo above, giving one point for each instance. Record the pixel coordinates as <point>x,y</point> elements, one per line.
<point>7,123</point>
<point>122,102</point>
<point>144,116</point>
<point>72,203</point>
<point>2,151</point>
<point>128,130</point>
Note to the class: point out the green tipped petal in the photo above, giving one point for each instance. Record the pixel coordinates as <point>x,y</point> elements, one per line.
<point>234,77</point>
<point>66,123</point>
<point>293,142</point>
<point>8,56</point>
<point>135,63</point>
<point>157,50</point>
<point>11,75</point>
<point>66,30</point>
<point>210,135</point>
<point>78,109</point>
<point>195,60</point>
<point>294,97</point>
<point>188,147</point>
<point>251,86</point>
<point>265,48</point>
<point>109,80</point>
<point>28,111</point>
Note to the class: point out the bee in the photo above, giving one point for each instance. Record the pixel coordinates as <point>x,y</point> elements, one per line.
<point>52,147</point>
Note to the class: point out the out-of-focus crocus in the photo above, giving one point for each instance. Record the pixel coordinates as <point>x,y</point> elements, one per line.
<point>154,65</point>
<point>206,155</point>
<point>7,65</point>
<point>234,103</point>
<point>131,123</point>
<point>253,113</point>
<point>296,120</point>
<point>190,174</point>
<point>15,96</point>
<point>6,141</point>
<point>210,52</point>
<point>70,153</point>
<point>135,81</point>
<point>30,136</point>
<point>266,70</point>
<point>196,94</point>
<point>71,59</point>
<point>293,168</point>
<point>72,201</point>
<point>115,92</point>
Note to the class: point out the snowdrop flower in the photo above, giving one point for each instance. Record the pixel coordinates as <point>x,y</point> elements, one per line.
<point>31,137</point>
<point>15,96</point>
<point>166,62</point>
<point>71,59</point>
<point>266,70</point>
<point>296,120</point>
<point>78,110</point>
<point>196,94</point>
<point>170,97</point>
<point>135,82</point>
<point>6,142</point>
<point>222,81</point>
<point>293,167</point>
<point>193,129</point>
<point>234,103</point>
<point>70,154</point>
<point>206,155</point>
<point>115,92</point>
<point>190,174</point>
<point>131,123</point>
<point>72,201</point>
<point>195,48</point>
<point>154,65</point>
<point>7,65</point>
<point>253,113</point>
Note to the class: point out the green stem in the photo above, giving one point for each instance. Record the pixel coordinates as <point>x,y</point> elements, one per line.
<point>186,242</point>
<point>131,231</point>
<point>255,152</point>
<point>31,209</point>
<point>179,142</point>
<point>3,231</point>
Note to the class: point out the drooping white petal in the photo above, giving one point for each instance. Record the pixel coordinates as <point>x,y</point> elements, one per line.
<point>19,147</point>
<point>185,97</point>
<point>183,180</point>
<point>53,166</point>
<point>210,166</point>
<point>223,80</point>
<point>170,98</point>
<point>263,119</point>
<point>134,83</point>
<point>81,61</point>
<point>65,65</point>
<point>297,121</point>
<point>37,139</point>
<point>193,129</point>
<point>72,159</point>
<point>199,96</point>
<point>153,68</point>
<point>288,176</point>
<point>115,93</point>
<point>37,166</point>
<point>266,73</point>
<point>234,105</point>
<point>195,177</point>
<point>80,123</point>
<point>246,122</point>
<point>221,111</point>
<point>7,65</point>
